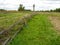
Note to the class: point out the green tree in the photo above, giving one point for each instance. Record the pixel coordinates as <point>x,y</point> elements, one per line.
<point>57,10</point>
<point>21,8</point>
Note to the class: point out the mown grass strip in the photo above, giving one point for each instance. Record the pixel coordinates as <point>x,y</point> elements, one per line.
<point>39,31</point>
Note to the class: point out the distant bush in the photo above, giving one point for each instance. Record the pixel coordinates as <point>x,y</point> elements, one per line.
<point>2,10</point>
<point>56,10</point>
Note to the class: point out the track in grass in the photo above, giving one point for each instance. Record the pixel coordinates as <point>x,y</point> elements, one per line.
<point>39,31</point>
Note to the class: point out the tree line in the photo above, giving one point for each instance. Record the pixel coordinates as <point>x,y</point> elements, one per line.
<point>56,10</point>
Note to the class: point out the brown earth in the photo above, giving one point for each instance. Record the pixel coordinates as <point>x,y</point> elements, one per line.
<point>55,20</point>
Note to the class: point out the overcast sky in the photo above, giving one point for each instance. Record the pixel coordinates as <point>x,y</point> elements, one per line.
<point>40,4</point>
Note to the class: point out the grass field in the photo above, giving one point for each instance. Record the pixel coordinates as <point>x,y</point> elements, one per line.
<point>39,31</point>
<point>10,23</point>
<point>7,19</point>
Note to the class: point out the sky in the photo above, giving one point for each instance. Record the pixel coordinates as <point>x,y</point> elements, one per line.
<point>39,4</point>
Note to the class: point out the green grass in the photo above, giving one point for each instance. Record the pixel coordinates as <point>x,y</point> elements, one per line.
<point>39,31</point>
<point>7,19</point>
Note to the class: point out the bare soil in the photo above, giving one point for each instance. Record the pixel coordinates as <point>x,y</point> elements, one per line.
<point>55,20</point>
